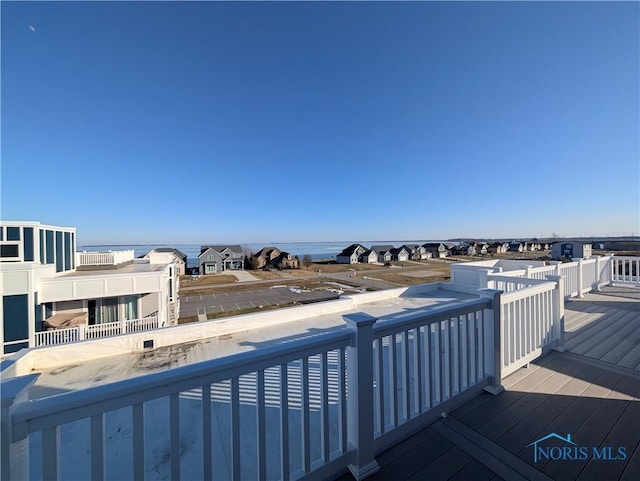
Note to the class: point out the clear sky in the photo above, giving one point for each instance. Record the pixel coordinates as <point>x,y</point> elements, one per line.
<point>202,122</point>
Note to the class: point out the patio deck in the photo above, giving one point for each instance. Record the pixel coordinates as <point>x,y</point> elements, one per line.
<point>591,391</point>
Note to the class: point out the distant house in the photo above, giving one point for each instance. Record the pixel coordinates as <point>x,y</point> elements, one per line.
<point>570,250</point>
<point>288,261</point>
<point>351,254</point>
<point>167,255</point>
<point>516,247</point>
<point>400,254</point>
<point>220,258</point>
<point>437,249</point>
<point>417,252</point>
<point>272,257</point>
<point>464,249</point>
<point>498,248</point>
<point>368,257</point>
<point>384,253</point>
<point>481,248</point>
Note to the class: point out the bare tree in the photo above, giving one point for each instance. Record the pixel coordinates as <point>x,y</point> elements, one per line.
<point>307,261</point>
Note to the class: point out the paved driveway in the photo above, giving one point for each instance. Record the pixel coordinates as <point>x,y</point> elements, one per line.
<point>243,276</point>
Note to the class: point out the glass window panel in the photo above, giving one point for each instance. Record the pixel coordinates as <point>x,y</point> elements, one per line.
<point>59,252</point>
<point>15,310</point>
<point>13,233</point>
<point>28,254</point>
<point>9,250</point>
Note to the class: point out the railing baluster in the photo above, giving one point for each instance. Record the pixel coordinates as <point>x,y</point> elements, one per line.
<point>97,447</point>
<point>447,361</point>
<point>437,357</point>
<point>138,441</point>
<point>207,447</point>
<point>284,421</point>
<point>51,453</point>
<point>342,403</point>
<point>418,370</point>
<point>306,434</point>
<point>235,429</point>
<point>464,352</point>
<point>471,342</point>
<point>174,421</point>
<point>455,353</point>
<point>261,421</point>
<point>406,375</point>
<point>324,407</point>
<point>393,380</point>
<point>427,368</point>
<point>380,373</point>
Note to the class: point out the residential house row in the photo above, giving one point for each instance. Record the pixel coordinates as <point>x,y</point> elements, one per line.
<point>357,253</point>
<point>215,259</point>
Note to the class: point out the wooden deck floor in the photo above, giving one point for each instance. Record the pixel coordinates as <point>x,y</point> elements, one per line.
<point>595,399</point>
<point>605,326</point>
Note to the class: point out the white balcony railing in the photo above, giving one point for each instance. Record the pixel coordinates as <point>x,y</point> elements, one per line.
<point>306,408</point>
<point>95,331</point>
<point>625,270</point>
<point>110,258</point>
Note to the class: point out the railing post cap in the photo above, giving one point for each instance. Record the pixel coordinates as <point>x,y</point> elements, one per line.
<point>13,387</point>
<point>486,292</point>
<point>359,319</point>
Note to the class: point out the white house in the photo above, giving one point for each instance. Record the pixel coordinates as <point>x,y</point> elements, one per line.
<point>400,254</point>
<point>46,284</point>
<point>368,257</point>
<point>570,250</point>
<point>384,253</point>
<point>166,255</point>
<point>351,254</point>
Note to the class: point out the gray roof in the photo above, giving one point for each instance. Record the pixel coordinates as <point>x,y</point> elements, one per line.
<point>178,253</point>
<point>220,248</point>
<point>381,249</point>
<point>347,252</point>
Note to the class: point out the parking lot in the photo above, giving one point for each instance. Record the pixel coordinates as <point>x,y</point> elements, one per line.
<point>233,301</point>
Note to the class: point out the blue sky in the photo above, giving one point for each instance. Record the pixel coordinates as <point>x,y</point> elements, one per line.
<point>167,122</point>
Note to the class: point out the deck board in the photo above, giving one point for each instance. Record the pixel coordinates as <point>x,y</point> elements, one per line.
<point>584,392</point>
<point>444,467</point>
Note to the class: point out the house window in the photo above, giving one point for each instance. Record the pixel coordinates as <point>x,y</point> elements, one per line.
<point>13,233</point>
<point>59,252</point>
<point>42,258</point>
<point>15,310</point>
<point>130,307</point>
<point>50,247</point>
<point>10,251</point>
<point>28,253</point>
<point>67,251</point>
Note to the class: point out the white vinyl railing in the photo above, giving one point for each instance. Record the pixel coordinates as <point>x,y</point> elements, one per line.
<point>290,399</point>
<point>306,408</point>
<point>420,364</point>
<point>625,270</point>
<point>94,331</point>
<point>531,320</point>
<point>581,276</point>
<point>302,409</point>
<point>103,258</point>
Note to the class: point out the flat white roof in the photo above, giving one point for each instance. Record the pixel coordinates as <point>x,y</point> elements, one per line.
<point>132,268</point>
<point>231,338</point>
